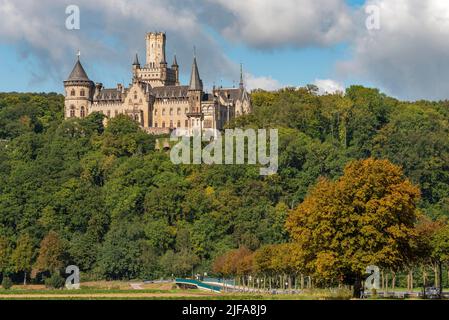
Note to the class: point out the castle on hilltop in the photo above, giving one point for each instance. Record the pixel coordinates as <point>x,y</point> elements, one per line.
<point>155,99</point>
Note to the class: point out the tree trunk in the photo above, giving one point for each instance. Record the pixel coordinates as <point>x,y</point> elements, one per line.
<point>435,272</point>
<point>357,289</point>
<point>393,285</point>
<point>386,284</point>
<point>302,281</point>
<point>440,278</point>
<point>424,277</point>
<point>383,282</point>
<point>25,278</point>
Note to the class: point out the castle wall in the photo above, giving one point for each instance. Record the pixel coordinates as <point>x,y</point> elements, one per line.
<point>172,112</point>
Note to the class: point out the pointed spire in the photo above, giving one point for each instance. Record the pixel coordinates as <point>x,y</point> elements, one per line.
<point>195,80</point>
<point>175,61</point>
<point>136,60</point>
<point>78,73</point>
<point>241,76</point>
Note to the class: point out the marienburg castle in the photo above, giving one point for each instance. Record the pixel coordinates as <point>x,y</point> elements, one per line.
<point>155,99</point>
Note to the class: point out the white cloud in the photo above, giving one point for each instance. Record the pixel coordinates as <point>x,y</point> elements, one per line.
<point>266,83</point>
<point>111,32</point>
<point>409,56</point>
<point>328,86</point>
<point>290,23</point>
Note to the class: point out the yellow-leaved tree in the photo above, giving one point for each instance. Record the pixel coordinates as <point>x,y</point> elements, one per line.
<point>364,218</point>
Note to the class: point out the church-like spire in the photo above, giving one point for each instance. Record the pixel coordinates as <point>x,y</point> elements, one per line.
<point>241,76</point>
<point>136,60</point>
<point>175,61</point>
<point>195,80</point>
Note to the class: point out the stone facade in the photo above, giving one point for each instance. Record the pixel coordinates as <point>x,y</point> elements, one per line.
<point>155,98</point>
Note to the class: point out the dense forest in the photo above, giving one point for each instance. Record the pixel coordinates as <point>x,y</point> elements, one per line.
<point>102,198</point>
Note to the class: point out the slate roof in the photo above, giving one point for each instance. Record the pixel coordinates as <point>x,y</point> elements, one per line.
<point>109,95</point>
<point>78,73</point>
<point>170,92</point>
<point>195,80</point>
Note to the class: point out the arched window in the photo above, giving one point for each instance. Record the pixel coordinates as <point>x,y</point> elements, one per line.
<point>163,112</point>
<point>179,111</point>
<point>187,123</point>
<point>72,112</point>
<point>155,124</point>
<point>163,124</point>
<point>179,124</point>
<point>82,93</point>
<point>171,111</point>
<point>171,124</point>
<point>82,112</point>
<point>72,93</point>
<point>155,112</point>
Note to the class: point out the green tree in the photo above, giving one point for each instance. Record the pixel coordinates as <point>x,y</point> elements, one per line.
<point>22,256</point>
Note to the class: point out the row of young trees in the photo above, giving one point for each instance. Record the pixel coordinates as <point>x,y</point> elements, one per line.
<point>367,217</point>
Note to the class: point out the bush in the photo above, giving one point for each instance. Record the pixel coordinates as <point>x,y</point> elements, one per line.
<point>55,281</point>
<point>6,283</point>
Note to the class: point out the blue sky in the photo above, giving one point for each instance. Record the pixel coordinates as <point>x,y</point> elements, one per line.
<point>288,43</point>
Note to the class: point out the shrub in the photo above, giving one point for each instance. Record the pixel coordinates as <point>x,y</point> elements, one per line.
<point>6,283</point>
<point>55,281</point>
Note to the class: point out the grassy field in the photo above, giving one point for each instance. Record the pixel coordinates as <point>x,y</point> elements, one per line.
<point>123,290</point>
<point>118,290</point>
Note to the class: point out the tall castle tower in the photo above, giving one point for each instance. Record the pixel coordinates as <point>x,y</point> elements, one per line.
<point>79,90</point>
<point>156,71</point>
<point>156,42</point>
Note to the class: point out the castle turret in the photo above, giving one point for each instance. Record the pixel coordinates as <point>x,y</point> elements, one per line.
<point>136,66</point>
<point>175,68</point>
<point>79,91</point>
<point>195,95</point>
<point>241,85</point>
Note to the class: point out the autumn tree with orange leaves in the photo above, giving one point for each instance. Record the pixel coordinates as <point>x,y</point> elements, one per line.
<point>364,218</point>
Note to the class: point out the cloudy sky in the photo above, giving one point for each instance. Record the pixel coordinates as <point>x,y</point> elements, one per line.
<point>280,43</point>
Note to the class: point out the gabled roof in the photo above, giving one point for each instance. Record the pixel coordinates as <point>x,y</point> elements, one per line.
<point>78,73</point>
